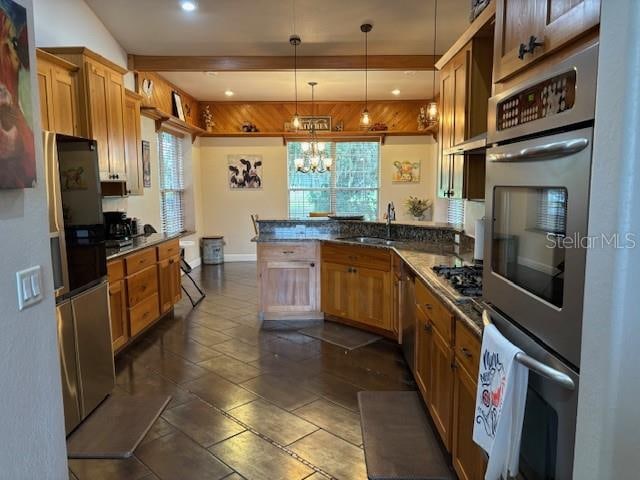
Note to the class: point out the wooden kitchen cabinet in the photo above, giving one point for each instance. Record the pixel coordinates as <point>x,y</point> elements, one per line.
<point>133,143</point>
<point>423,352</point>
<point>289,280</point>
<point>357,286</point>
<point>440,386</point>
<point>101,99</point>
<point>169,283</point>
<point>553,23</point>
<point>117,305</point>
<point>465,86</point>
<point>469,460</point>
<point>57,84</point>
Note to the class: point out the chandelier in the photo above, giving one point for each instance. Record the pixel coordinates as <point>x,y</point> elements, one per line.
<point>315,157</point>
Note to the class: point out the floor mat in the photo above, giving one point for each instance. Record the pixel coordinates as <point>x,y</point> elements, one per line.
<point>117,426</point>
<point>399,442</point>
<point>340,335</point>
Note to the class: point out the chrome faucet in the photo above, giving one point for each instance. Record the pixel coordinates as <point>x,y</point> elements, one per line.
<point>391,216</point>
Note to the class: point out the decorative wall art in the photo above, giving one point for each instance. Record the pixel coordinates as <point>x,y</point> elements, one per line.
<point>146,164</point>
<point>321,123</point>
<point>406,172</point>
<point>17,147</point>
<point>245,171</point>
<point>178,111</point>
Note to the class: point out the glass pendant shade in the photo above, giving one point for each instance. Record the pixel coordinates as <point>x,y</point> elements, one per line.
<point>432,111</point>
<point>296,121</point>
<point>365,120</point>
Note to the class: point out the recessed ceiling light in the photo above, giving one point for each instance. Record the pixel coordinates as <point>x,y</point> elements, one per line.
<point>395,91</point>
<point>229,93</point>
<point>410,73</point>
<point>188,5</point>
<point>211,74</point>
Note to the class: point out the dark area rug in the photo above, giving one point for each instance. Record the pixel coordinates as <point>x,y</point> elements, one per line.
<point>340,335</point>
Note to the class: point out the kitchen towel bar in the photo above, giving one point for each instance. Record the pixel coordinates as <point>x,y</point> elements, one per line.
<point>536,366</point>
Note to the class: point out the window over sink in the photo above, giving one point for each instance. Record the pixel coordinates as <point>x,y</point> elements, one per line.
<point>171,158</point>
<point>350,188</point>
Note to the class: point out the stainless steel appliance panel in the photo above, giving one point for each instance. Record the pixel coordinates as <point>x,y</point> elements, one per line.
<point>95,356</point>
<point>408,320</point>
<point>56,223</point>
<point>548,433</point>
<point>68,365</point>
<point>528,273</point>
<point>585,66</point>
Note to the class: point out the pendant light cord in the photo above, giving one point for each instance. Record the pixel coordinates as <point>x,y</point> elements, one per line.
<point>435,23</point>
<point>366,70</point>
<point>295,73</point>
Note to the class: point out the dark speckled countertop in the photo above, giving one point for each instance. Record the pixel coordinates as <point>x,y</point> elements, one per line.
<point>142,242</point>
<point>420,257</point>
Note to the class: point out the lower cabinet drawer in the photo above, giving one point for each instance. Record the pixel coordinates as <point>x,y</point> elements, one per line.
<point>439,315</point>
<point>141,285</point>
<point>282,251</point>
<point>144,314</point>
<point>375,258</point>
<point>467,347</point>
<point>140,260</point>
<point>168,249</point>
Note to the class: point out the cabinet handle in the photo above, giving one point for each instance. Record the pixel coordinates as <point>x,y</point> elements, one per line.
<point>355,270</point>
<point>288,252</point>
<point>533,43</point>
<point>428,306</point>
<point>522,51</point>
<point>313,265</point>
<point>466,352</point>
<point>352,257</point>
<point>428,327</point>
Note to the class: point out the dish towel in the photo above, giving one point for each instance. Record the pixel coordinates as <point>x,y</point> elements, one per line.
<point>500,403</point>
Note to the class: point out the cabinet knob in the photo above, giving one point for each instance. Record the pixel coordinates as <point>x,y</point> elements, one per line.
<point>466,352</point>
<point>313,265</point>
<point>427,327</point>
<point>428,306</point>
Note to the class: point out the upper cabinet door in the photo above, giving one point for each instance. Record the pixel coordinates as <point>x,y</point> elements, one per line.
<point>63,88</point>
<point>553,23</point>
<point>516,22</point>
<point>98,105</point>
<point>115,122</point>
<point>132,145</point>
<point>565,20</point>
<point>44,87</point>
<point>460,79</point>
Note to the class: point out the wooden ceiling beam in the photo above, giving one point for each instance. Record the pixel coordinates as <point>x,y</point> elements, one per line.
<point>145,63</point>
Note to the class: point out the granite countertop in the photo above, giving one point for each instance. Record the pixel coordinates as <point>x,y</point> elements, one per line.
<point>420,257</point>
<point>142,242</point>
<point>321,220</point>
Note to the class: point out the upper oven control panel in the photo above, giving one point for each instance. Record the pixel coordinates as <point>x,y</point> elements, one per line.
<point>549,97</point>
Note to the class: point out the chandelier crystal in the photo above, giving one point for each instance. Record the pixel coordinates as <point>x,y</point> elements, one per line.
<point>315,158</point>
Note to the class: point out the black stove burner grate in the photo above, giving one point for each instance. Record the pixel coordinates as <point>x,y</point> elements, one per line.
<point>465,280</point>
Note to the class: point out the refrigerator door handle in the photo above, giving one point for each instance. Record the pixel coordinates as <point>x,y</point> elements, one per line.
<point>56,219</point>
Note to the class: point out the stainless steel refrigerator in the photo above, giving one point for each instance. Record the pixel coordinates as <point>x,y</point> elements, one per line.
<point>78,256</point>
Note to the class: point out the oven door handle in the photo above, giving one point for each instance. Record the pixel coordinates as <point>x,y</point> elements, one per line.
<point>540,368</point>
<point>542,152</point>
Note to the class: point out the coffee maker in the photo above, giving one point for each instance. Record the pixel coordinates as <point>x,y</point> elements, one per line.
<point>118,229</point>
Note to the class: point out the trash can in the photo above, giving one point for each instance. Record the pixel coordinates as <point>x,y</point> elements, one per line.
<point>212,250</point>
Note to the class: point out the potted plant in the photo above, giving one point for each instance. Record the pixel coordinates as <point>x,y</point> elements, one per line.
<point>416,207</point>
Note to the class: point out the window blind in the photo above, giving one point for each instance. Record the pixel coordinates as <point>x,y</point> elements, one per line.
<point>552,210</point>
<point>171,182</point>
<point>455,211</point>
<point>350,188</point>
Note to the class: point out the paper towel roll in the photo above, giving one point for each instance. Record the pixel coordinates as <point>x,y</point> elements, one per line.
<point>478,246</point>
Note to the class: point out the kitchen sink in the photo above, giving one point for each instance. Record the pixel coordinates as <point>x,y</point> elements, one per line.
<point>370,240</point>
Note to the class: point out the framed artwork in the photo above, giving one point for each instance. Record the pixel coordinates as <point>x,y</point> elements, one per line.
<point>245,171</point>
<point>406,172</point>
<point>178,111</point>
<point>146,164</point>
<point>17,146</point>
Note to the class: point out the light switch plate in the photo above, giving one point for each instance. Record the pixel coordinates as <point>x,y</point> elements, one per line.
<point>29,287</point>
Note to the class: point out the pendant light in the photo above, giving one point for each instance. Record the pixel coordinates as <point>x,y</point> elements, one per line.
<point>365,119</point>
<point>295,41</point>
<point>314,156</point>
<point>432,106</point>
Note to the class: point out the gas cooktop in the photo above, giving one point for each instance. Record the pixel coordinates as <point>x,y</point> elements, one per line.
<point>466,280</point>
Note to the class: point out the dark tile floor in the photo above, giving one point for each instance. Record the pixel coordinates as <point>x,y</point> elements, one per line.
<point>246,402</point>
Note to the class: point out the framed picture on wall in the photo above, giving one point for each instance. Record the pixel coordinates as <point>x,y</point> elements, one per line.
<point>406,172</point>
<point>245,172</point>
<point>17,145</point>
<point>146,164</point>
<point>178,111</point>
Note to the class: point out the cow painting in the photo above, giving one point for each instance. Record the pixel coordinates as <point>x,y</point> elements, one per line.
<point>17,149</point>
<point>245,171</point>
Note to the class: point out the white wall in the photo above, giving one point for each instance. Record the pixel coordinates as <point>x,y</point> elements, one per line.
<point>72,23</point>
<point>608,422</point>
<point>31,415</point>
<point>226,212</point>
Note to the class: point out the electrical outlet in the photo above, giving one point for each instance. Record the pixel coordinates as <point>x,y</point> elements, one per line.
<point>29,287</point>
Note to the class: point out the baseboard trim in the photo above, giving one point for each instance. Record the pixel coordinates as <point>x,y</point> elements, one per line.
<point>240,257</point>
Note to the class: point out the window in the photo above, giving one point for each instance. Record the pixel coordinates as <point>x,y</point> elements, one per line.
<point>552,210</point>
<point>350,188</point>
<point>171,182</point>
<point>455,212</point>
